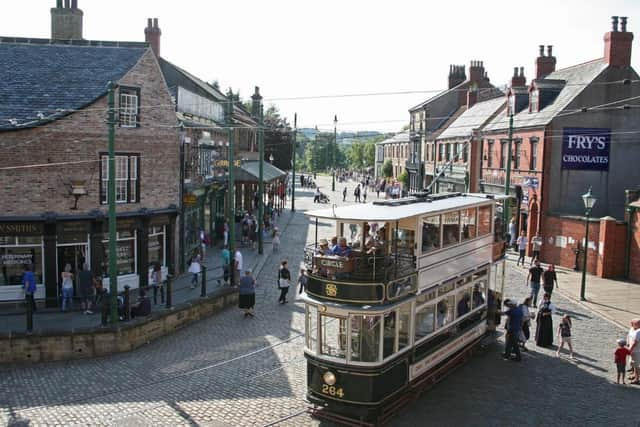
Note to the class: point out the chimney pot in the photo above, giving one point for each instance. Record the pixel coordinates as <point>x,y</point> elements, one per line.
<point>541,50</point>
<point>155,22</point>
<point>623,24</point>
<point>59,4</point>
<point>549,50</point>
<point>67,4</point>
<point>515,71</point>
<point>74,4</point>
<point>618,44</point>
<point>521,71</point>
<point>614,23</point>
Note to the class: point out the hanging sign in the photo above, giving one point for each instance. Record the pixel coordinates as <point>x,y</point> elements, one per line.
<point>586,148</point>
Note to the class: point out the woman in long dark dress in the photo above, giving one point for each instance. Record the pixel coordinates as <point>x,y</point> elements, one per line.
<point>544,322</point>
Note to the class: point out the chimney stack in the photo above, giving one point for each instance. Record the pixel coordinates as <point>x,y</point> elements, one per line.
<point>472,97</point>
<point>66,21</point>
<point>617,44</point>
<point>476,71</point>
<point>256,100</point>
<point>456,75</point>
<point>518,79</point>
<point>545,65</point>
<point>152,35</point>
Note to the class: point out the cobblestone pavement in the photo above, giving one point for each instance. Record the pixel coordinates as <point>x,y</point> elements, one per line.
<point>231,371</point>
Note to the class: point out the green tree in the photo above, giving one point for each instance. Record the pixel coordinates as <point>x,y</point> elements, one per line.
<point>404,179</point>
<point>387,169</point>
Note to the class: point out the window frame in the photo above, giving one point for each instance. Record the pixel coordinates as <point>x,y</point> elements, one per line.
<point>132,187</point>
<point>533,159</point>
<point>503,153</point>
<point>129,91</point>
<point>490,153</point>
<point>534,101</point>
<point>518,146</point>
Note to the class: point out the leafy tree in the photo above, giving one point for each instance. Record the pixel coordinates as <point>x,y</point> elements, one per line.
<point>387,169</point>
<point>404,179</point>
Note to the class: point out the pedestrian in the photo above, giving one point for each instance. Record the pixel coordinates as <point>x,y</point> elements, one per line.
<point>29,286</point>
<point>364,195</point>
<point>276,240</point>
<point>512,234</point>
<point>156,283</point>
<point>356,193</point>
<point>238,265</point>
<point>67,287</point>
<point>226,264</point>
<point>527,315</point>
<point>247,293</point>
<point>522,243</point>
<point>194,269</point>
<point>549,278</point>
<point>316,195</point>
<point>536,245</point>
<point>302,281</point>
<point>633,343</point>
<point>85,286</point>
<point>620,359</point>
<point>564,334</point>
<point>533,278</point>
<point>225,232</point>
<point>378,191</point>
<point>344,194</point>
<point>253,232</point>
<point>142,307</point>
<point>204,243</point>
<point>284,281</point>
<point>544,322</point>
<point>514,327</point>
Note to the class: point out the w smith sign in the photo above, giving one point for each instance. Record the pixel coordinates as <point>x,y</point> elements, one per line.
<point>586,149</point>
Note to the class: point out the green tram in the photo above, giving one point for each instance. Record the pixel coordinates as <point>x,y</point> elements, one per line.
<point>414,287</point>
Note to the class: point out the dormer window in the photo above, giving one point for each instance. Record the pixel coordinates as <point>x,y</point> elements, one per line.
<point>534,101</point>
<point>511,105</point>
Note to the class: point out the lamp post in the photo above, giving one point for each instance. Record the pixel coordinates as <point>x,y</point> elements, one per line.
<point>589,200</point>
<point>333,154</point>
<point>271,159</point>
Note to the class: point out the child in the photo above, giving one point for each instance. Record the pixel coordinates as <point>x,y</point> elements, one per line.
<point>620,357</point>
<point>276,240</point>
<point>564,333</point>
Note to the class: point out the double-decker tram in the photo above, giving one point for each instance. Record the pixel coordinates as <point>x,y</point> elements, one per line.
<point>404,292</point>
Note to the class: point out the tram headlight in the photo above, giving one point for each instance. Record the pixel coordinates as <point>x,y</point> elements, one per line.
<point>329,378</point>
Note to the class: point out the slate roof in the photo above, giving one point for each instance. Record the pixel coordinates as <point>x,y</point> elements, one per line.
<point>51,80</point>
<point>576,79</point>
<point>176,76</point>
<point>269,172</point>
<point>399,137</point>
<point>473,118</point>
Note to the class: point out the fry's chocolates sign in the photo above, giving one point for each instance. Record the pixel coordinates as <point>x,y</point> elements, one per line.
<point>586,148</point>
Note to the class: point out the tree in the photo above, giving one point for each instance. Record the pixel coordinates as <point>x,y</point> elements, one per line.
<point>404,179</point>
<point>387,169</point>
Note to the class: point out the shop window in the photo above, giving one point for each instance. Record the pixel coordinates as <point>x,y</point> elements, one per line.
<point>333,332</point>
<point>365,338</point>
<point>430,234</point>
<point>14,255</point>
<point>126,180</point>
<point>451,228</point>
<point>468,221</point>
<point>484,221</point>
<point>156,246</point>
<point>126,255</point>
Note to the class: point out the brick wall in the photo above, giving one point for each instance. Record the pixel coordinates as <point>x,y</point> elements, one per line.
<point>81,137</point>
<point>555,230</point>
<point>612,249</point>
<point>634,262</point>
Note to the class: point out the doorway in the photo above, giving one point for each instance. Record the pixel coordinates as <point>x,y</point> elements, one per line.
<point>75,255</point>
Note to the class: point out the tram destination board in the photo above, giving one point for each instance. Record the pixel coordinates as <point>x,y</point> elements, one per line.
<point>340,291</point>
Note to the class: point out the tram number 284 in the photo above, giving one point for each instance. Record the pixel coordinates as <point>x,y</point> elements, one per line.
<point>332,390</point>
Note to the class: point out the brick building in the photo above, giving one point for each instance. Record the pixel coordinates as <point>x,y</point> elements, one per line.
<point>573,129</point>
<point>394,150</point>
<point>53,167</point>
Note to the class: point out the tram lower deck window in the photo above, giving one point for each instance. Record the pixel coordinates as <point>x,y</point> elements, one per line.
<point>333,336</point>
<point>365,338</point>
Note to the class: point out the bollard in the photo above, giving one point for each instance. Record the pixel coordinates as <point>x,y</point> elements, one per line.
<point>161,293</point>
<point>30,302</point>
<point>203,289</point>
<point>168,281</point>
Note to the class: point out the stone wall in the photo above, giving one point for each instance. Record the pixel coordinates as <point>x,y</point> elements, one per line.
<point>48,347</point>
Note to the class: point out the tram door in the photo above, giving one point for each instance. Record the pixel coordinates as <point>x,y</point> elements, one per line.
<point>495,295</point>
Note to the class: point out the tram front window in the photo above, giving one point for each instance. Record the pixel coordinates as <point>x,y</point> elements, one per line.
<point>389,334</point>
<point>333,337</point>
<point>365,338</point>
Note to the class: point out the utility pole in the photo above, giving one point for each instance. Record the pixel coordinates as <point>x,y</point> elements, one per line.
<point>293,175</point>
<point>228,119</point>
<point>507,181</point>
<point>333,153</point>
<point>260,178</point>
<point>111,196</point>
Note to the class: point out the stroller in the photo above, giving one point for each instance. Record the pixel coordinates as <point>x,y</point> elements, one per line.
<point>323,198</point>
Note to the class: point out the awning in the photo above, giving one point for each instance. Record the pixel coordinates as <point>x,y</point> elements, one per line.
<point>252,169</point>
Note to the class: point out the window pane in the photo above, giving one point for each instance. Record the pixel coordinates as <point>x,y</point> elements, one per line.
<point>156,249</point>
<point>125,257</point>
<point>451,228</point>
<point>468,220</point>
<point>365,338</point>
<point>311,326</point>
<point>403,325</point>
<point>405,241</point>
<point>463,302</point>
<point>445,311</point>
<point>484,220</point>
<point>353,234</point>
<point>389,334</point>
<point>425,321</point>
<point>13,259</point>
<point>334,336</point>
<point>430,234</point>
<point>479,294</point>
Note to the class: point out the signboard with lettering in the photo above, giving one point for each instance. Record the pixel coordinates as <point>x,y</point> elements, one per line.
<point>586,148</point>
<point>21,229</point>
<point>190,199</point>
<point>16,259</point>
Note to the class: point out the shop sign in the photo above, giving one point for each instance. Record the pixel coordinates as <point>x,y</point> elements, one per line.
<point>16,259</point>
<point>530,182</point>
<point>190,199</point>
<point>586,148</point>
<point>225,163</point>
<point>21,229</point>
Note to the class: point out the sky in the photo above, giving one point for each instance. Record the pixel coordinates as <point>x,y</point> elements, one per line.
<point>311,48</point>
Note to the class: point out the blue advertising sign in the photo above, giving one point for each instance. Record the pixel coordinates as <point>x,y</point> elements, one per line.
<point>530,182</point>
<point>586,148</point>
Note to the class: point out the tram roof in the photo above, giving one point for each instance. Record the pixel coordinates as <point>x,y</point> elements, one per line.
<point>407,207</point>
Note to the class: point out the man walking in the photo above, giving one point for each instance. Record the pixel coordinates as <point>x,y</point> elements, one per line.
<point>522,243</point>
<point>356,193</point>
<point>237,260</point>
<point>85,283</point>
<point>29,286</point>
<point>536,245</point>
<point>514,326</point>
<point>226,263</point>
<point>344,194</point>
<point>533,278</point>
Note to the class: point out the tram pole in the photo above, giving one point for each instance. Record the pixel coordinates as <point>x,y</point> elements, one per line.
<point>261,179</point>
<point>111,196</point>
<point>507,181</point>
<point>232,192</point>
<point>293,161</point>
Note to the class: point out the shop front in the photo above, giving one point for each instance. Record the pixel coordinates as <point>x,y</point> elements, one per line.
<point>21,244</point>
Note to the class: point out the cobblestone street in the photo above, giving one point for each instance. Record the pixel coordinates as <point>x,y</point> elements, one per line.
<point>232,371</point>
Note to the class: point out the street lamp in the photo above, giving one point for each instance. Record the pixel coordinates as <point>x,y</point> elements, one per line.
<point>589,200</point>
<point>335,145</point>
<point>271,159</point>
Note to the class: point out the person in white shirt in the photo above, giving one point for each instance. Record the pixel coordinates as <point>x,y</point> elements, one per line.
<point>522,243</point>
<point>633,341</point>
<point>536,245</point>
<point>238,267</point>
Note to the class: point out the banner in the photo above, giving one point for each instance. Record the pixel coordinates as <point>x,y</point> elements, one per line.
<point>586,148</point>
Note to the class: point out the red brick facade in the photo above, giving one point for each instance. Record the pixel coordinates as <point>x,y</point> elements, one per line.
<point>562,235</point>
<point>634,246</point>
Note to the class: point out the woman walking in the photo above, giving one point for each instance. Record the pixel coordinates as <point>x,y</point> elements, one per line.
<point>544,322</point>
<point>247,293</point>
<point>564,333</point>
<point>284,281</point>
<point>194,269</point>
<point>67,287</point>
